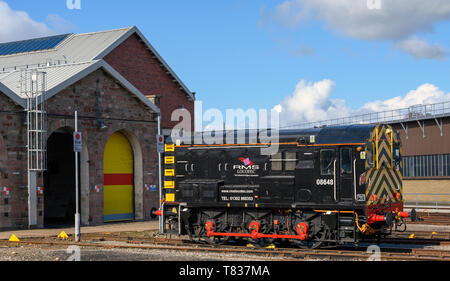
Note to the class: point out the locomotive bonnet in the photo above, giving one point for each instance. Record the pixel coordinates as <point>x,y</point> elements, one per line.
<point>327,185</point>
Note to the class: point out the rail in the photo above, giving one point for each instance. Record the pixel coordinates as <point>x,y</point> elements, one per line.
<point>413,113</point>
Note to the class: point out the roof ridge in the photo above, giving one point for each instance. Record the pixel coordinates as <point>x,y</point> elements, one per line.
<point>103,31</point>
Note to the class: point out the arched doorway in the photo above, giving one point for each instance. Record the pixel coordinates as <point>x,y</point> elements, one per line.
<point>118,167</point>
<point>59,180</point>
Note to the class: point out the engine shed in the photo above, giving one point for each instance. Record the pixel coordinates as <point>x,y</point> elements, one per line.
<point>119,86</point>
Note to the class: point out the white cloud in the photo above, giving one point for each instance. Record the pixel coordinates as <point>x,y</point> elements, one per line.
<point>396,20</point>
<point>18,25</point>
<point>424,94</point>
<point>311,102</point>
<point>420,49</point>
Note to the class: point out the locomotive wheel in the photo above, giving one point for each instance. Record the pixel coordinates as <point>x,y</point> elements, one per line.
<point>215,240</point>
<point>261,242</point>
<point>314,244</point>
<point>306,244</point>
<point>197,233</point>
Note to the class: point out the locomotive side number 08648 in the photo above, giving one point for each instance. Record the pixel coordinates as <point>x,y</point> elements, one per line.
<point>325,182</point>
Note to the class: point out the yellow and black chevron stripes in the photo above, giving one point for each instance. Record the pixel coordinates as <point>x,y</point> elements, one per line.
<point>384,154</point>
<point>383,181</point>
<point>383,184</point>
<point>383,137</point>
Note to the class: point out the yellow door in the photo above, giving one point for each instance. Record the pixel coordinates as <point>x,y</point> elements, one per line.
<point>118,165</point>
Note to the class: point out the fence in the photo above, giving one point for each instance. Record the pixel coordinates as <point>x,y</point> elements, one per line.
<point>413,113</point>
<point>428,200</point>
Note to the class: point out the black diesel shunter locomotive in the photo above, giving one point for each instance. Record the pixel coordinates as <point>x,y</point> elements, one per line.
<point>324,186</point>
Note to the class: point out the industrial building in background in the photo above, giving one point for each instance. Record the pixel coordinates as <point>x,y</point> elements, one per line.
<point>119,85</point>
<point>425,134</point>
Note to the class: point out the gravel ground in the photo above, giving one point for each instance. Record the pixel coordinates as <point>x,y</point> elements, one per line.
<point>52,253</point>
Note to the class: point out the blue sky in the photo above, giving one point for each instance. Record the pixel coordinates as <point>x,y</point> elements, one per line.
<point>252,54</point>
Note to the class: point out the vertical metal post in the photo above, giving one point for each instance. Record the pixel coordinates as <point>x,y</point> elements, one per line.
<point>161,223</point>
<point>77,213</point>
<point>33,87</point>
<point>31,222</point>
<point>32,199</point>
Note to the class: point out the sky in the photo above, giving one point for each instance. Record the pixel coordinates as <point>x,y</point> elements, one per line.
<point>308,59</point>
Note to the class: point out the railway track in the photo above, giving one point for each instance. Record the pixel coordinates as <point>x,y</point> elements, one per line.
<point>427,238</point>
<point>433,218</point>
<point>416,237</point>
<point>124,241</point>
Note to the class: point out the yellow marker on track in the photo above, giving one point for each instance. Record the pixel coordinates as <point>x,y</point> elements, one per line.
<point>14,238</point>
<point>63,236</point>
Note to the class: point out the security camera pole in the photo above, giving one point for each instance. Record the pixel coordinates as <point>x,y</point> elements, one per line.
<point>77,147</point>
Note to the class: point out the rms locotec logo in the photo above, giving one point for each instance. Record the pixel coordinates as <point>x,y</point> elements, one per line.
<point>246,161</point>
<point>248,169</point>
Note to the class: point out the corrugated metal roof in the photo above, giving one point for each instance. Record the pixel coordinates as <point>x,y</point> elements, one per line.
<point>70,58</point>
<point>74,49</point>
<point>60,77</point>
<point>55,76</point>
<point>38,44</point>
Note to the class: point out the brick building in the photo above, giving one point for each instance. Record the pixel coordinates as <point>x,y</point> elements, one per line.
<point>119,85</point>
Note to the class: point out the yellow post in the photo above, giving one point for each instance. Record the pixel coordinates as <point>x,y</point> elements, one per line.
<point>392,148</point>
<point>376,146</point>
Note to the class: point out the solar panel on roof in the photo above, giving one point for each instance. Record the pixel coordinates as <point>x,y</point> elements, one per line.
<point>31,45</point>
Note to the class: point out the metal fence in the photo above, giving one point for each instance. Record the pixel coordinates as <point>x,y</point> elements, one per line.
<point>413,113</point>
<point>428,200</point>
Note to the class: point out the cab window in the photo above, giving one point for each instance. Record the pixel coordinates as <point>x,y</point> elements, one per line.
<point>370,155</point>
<point>346,160</point>
<point>396,155</point>
<point>327,157</point>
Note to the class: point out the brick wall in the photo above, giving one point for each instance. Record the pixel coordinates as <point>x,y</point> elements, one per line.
<point>13,164</point>
<point>120,111</point>
<point>138,65</point>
